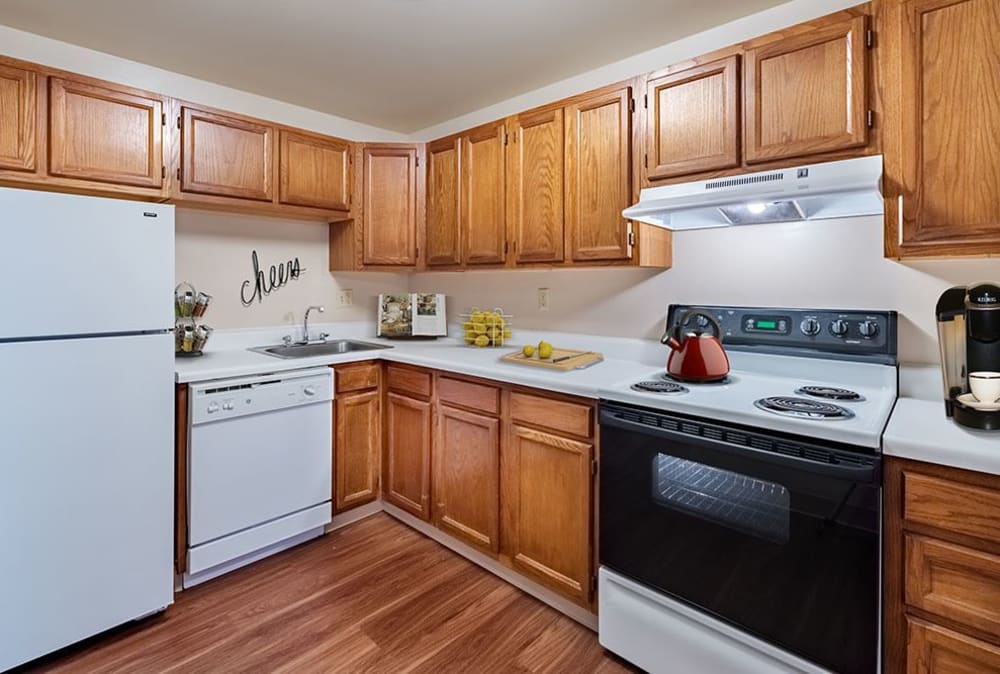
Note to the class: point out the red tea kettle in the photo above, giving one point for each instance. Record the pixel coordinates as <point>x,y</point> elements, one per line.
<point>696,355</point>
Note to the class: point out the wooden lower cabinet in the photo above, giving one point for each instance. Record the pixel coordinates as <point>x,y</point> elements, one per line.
<point>942,569</point>
<point>466,486</point>
<point>547,505</point>
<point>406,464</point>
<point>357,448</point>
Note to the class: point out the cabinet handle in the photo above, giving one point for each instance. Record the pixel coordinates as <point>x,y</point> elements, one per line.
<point>899,221</point>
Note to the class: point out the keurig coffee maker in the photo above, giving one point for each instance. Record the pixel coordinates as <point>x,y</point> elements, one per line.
<point>969,332</point>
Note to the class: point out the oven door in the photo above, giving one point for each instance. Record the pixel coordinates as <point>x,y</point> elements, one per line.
<point>774,535</point>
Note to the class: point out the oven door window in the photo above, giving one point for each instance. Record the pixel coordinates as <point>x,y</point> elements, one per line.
<point>783,553</point>
<point>755,507</point>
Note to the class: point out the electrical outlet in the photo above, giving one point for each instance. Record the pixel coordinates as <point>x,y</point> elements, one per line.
<point>543,299</point>
<point>345,298</point>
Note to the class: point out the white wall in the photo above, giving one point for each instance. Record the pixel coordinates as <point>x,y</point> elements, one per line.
<point>213,253</point>
<point>831,264</point>
<point>56,54</point>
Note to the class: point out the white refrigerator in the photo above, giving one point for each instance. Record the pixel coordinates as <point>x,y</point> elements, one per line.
<point>86,417</point>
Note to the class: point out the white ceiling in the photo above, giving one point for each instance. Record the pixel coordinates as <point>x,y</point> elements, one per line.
<point>402,65</point>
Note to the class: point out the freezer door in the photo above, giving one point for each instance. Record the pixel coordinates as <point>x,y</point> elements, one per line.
<point>86,488</point>
<point>83,265</point>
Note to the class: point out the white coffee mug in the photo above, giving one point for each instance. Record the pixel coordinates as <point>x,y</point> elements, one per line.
<point>985,386</point>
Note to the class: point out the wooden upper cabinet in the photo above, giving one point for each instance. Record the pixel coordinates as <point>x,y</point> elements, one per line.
<point>389,195</point>
<point>357,449</point>
<point>105,134</point>
<point>407,465</point>
<point>466,483</point>
<point>18,101</point>
<point>807,94</point>
<point>535,163</point>
<point>226,156</point>
<point>314,171</point>
<point>692,121</point>
<point>444,232</point>
<point>547,489</point>
<point>598,175</point>
<point>484,237</point>
<point>943,78</point>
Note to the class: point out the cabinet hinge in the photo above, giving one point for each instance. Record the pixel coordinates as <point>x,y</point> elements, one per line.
<point>871,118</point>
<point>163,119</point>
<point>418,162</point>
<point>593,584</point>
<point>869,38</point>
<point>163,171</point>
<point>631,105</point>
<point>178,174</point>
<point>645,100</point>
<point>505,137</point>
<point>506,247</point>
<point>645,160</point>
<point>178,121</point>
<point>631,238</point>
<point>593,468</point>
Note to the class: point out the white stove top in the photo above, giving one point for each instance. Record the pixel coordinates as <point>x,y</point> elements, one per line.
<point>757,376</point>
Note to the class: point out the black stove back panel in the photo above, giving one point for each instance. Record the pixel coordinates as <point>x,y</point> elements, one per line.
<point>835,334</point>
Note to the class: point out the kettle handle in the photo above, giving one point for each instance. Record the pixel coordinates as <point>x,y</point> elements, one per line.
<point>675,332</point>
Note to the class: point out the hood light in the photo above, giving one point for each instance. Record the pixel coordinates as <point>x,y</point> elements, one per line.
<point>756,207</point>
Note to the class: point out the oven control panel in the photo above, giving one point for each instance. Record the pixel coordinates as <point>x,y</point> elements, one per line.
<point>830,333</point>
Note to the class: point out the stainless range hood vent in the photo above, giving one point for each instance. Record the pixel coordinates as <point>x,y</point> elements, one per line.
<point>837,189</point>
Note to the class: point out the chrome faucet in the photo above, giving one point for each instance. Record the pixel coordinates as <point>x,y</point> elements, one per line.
<point>305,325</point>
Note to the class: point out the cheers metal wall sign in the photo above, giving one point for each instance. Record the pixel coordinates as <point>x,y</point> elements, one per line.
<point>277,276</point>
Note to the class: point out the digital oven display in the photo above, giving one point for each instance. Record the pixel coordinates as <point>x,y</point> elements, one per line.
<point>779,325</point>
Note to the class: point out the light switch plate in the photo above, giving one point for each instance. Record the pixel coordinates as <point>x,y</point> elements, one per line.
<point>345,298</point>
<point>543,299</point>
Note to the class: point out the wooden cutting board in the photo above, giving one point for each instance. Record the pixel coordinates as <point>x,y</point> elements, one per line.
<point>567,359</point>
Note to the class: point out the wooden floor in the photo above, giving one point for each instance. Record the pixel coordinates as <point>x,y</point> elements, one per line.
<point>374,597</point>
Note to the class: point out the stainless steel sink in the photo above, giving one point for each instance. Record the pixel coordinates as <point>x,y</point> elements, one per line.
<point>330,348</point>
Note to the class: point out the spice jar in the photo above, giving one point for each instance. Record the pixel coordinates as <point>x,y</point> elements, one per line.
<point>188,344</point>
<point>201,304</point>
<point>201,335</point>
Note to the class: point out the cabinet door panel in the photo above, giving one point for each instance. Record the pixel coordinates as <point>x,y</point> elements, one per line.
<point>444,232</point>
<point>103,134</point>
<point>598,175</point>
<point>225,156</point>
<point>467,477</point>
<point>692,124</point>
<point>548,489</point>
<point>944,157</point>
<point>408,454</point>
<point>18,101</point>
<point>936,650</point>
<point>483,194</point>
<point>390,205</point>
<point>535,179</point>
<point>357,449</point>
<point>807,94</point>
<point>314,171</point>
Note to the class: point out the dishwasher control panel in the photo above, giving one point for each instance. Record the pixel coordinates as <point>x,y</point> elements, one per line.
<point>229,398</point>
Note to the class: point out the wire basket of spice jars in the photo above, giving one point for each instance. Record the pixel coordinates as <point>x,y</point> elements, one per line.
<point>190,334</point>
<point>486,327</point>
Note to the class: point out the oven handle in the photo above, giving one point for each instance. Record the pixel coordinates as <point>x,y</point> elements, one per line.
<point>866,475</point>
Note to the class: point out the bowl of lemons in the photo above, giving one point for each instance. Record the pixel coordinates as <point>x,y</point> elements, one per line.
<point>484,328</point>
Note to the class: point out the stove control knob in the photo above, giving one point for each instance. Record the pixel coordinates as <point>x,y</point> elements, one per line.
<point>810,327</point>
<point>868,329</point>
<point>212,408</point>
<point>228,405</point>
<point>309,390</point>
<point>839,327</point>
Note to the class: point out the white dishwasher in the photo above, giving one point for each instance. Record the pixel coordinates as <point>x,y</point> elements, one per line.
<point>259,467</point>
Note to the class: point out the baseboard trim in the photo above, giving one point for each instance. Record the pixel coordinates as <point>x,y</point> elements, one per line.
<point>539,592</point>
<point>354,515</point>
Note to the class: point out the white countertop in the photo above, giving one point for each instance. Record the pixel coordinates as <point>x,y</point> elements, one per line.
<point>919,430</point>
<point>232,360</point>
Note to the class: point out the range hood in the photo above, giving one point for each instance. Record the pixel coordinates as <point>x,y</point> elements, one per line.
<point>837,189</point>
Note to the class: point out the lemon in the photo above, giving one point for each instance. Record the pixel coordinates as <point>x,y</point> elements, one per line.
<point>479,328</point>
<point>544,350</point>
<point>507,333</point>
<point>528,350</point>
<point>482,340</point>
<point>467,325</point>
<point>470,337</point>
<point>476,317</point>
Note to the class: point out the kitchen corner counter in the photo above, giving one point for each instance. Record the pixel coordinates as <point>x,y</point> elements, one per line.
<point>919,430</point>
<point>443,355</point>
